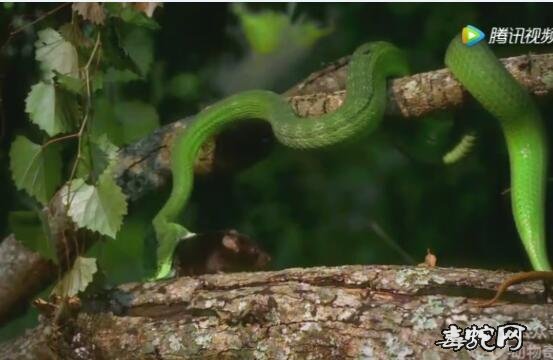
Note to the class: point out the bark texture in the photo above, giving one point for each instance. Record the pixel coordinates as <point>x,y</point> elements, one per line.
<point>23,274</point>
<point>370,312</point>
<point>144,166</point>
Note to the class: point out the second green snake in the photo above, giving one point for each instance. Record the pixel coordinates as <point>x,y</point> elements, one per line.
<point>362,111</point>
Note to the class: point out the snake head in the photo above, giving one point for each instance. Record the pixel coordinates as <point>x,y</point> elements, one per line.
<point>168,236</point>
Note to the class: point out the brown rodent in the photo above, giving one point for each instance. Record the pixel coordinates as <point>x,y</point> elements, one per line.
<point>218,251</point>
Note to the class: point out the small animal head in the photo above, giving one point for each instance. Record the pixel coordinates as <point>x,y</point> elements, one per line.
<point>245,252</point>
<point>218,251</point>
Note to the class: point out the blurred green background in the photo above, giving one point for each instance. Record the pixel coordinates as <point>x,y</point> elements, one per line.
<point>365,203</point>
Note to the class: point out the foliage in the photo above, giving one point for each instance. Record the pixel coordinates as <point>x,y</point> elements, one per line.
<point>268,30</point>
<point>56,54</point>
<point>77,279</point>
<point>98,207</point>
<point>50,109</point>
<point>35,168</point>
<point>28,228</point>
<point>76,61</point>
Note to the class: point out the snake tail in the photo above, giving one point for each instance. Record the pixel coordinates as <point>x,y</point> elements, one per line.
<point>487,80</point>
<point>362,111</point>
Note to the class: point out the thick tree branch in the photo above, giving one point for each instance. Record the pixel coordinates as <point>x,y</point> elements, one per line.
<point>415,95</point>
<point>144,166</point>
<point>375,312</point>
<point>23,274</point>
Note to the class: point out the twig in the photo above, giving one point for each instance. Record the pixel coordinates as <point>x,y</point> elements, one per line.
<point>40,18</point>
<point>85,119</point>
<point>393,244</point>
<point>88,104</point>
<point>61,138</point>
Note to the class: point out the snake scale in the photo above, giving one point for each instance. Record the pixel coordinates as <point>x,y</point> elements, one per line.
<point>371,65</point>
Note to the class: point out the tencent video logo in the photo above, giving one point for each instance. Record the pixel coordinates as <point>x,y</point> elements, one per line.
<point>471,35</point>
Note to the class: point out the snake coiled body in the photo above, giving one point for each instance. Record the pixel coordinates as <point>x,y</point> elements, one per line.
<point>362,112</point>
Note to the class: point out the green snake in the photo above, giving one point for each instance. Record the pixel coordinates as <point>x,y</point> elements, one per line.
<point>362,111</point>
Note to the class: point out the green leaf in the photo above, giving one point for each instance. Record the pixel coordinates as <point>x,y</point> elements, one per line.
<point>137,119</point>
<point>106,147</point>
<point>78,278</point>
<point>123,260</point>
<point>113,53</point>
<point>98,208</point>
<point>264,29</point>
<point>124,121</point>
<point>98,154</point>
<point>139,45</point>
<point>53,110</point>
<point>267,31</point>
<point>130,15</point>
<point>55,53</point>
<point>135,17</point>
<point>184,86</point>
<point>34,168</point>
<point>103,121</point>
<point>69,83</point>
<point>307,33</point>
<point>29,230</point>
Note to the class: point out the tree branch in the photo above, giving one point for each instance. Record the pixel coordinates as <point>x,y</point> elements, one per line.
<point>144,166</point>
<point>415,95</point>
<point>23,274</point>
<point>376,312</point>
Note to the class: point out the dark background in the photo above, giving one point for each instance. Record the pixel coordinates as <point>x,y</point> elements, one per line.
<point>362,203</point>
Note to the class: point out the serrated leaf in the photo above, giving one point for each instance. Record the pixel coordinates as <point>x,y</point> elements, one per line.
<point>99,207</point>
<point>98,154</point>
<point>34,168</point>
<point>113,52</point>
<point>55,53</point>
<point>69,83</point>
<point>28,229</point>
<point>78,278</point>
<point>51,109</point>
<point>108,149</point>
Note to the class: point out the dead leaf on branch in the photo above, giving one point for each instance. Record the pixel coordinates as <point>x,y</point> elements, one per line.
<point>430,260</point>
<point>147,8</point>
<point>91,11</point>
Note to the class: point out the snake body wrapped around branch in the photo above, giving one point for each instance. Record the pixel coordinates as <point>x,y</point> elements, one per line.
<point>361,113</point>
